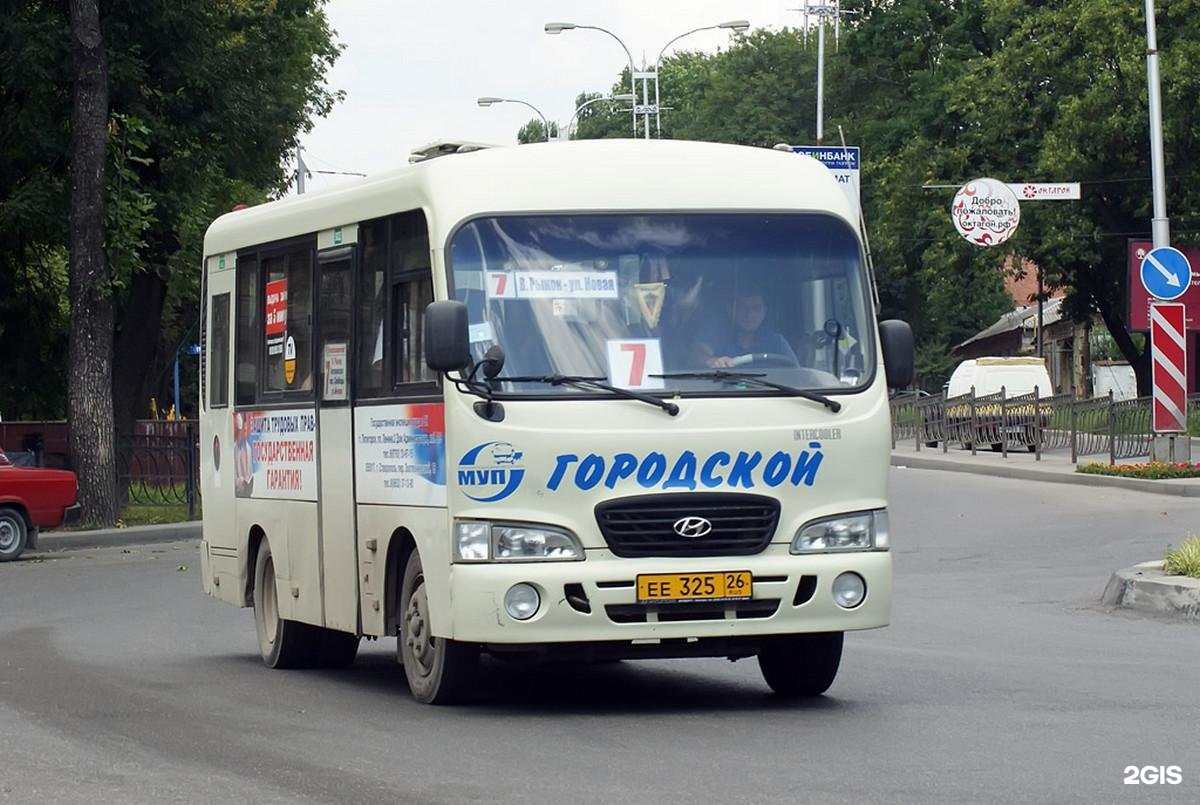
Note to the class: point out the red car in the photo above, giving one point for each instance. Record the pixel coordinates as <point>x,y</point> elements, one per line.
<point>32,498</point>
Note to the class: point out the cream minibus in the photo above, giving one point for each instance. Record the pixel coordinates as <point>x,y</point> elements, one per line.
<point>587,400</point>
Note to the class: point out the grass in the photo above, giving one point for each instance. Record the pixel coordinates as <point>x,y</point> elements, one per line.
<point>145,515</point>
<point>1184,560</point>
<point>156,515</point>
<point>1153,470</point>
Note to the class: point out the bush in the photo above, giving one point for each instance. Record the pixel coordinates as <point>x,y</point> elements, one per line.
<point>1184,560</point>
<point>1153,470</point>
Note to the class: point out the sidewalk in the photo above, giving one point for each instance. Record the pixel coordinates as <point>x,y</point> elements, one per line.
<point>113,537</point>
<point>1055,467</point>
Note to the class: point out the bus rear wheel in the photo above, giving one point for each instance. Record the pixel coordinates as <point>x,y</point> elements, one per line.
<point>797,666</point>
<point>291,644</point>
<point>439,671</point>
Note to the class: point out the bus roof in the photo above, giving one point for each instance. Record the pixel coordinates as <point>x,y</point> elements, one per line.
<point>582,175</point>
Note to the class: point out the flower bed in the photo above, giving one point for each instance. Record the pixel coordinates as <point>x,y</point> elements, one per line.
<point>1153,470</point>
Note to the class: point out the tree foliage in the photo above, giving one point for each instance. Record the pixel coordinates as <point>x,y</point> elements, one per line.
<point>937,92</point>
<point>206,99</point>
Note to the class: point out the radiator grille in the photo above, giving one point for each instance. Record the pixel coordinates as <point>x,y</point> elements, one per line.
<point>645,525</point>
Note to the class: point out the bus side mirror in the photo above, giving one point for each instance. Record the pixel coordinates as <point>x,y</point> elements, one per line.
<point>896,338</point>
<point>447,342</point>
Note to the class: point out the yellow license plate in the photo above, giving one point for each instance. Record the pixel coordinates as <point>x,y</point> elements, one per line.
<point>730,585</point>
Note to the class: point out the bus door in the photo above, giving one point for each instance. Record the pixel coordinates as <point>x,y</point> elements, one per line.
<point>217,457</point>
<point>335,442</point>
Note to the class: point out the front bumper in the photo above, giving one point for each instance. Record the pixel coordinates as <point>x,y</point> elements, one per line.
<point>595,601</point>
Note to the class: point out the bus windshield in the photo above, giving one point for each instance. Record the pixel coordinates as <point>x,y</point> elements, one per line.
<point>679,302</point>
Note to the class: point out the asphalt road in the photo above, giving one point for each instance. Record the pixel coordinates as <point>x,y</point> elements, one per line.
<point>1000,680</point>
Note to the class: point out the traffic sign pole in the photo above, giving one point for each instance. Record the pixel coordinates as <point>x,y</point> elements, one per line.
<point>1167,275</point>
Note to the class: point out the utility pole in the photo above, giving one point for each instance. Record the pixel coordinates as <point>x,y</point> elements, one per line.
<point>822,11</point>
<point>301,169</point>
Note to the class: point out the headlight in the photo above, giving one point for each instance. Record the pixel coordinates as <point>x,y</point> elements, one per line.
<point>476,541</point>
<point>864,531</point>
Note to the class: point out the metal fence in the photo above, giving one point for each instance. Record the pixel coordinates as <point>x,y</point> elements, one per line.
<point>159,465</point>
<point>1028,422</point>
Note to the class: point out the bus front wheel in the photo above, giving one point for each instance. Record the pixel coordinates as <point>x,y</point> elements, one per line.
<point>439,670</point>
<point>801,665</point>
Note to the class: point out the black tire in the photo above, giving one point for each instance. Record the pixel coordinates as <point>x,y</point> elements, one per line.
<point>997,447</point>
<point>333,648</point>
<point>14,534</point>
<point>931,444</point>
<point>282,643</point>
<point>439,671</point>
<point>798,666</point>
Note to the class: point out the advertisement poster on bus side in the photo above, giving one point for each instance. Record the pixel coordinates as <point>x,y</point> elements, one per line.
<point>400,454</point>
<point>275,454</point>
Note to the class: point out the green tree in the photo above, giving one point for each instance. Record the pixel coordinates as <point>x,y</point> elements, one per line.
<point>1069,85</point>
<point>89,395</point>
<point>535,131</point>
<point>205,98</point>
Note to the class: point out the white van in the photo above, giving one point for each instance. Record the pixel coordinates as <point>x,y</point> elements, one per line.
<point>988,375</point>
<point>992,423</point>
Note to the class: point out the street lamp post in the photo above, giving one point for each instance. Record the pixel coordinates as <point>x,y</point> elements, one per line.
<point>823,10</point>
<point>1160,229</point>
<point>190,349</point>
<point>625,97</point>
<point>739,26</point>
<point>488,100</point>
<point>555,28</point>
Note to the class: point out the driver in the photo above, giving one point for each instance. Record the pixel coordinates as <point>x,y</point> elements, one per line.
<point>746,335</point>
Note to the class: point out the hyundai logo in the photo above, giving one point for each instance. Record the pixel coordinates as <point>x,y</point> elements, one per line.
<point>692,527</point>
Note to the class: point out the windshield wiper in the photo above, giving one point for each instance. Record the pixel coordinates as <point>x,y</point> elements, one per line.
<point>754,379</point>
<point>580,382</point>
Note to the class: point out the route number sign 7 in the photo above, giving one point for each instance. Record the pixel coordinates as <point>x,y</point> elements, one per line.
<point>632,362</point>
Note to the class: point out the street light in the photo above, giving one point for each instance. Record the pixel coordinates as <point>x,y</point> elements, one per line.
<point>555,28</point>
<point>738,26</point>
<point>487,100</point>
<point>628,96</point>
<point>188,349</point>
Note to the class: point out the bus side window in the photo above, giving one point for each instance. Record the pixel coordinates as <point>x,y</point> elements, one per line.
<point>218,347</point>
<point>289,337</point>
<point>411,292</point>
<point>248,329</point>
<point>372,310</point>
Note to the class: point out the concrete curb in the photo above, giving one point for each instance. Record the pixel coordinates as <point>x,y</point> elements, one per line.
<point>117,537</point>
<point>1145,588</point>
<point>1177,488</point>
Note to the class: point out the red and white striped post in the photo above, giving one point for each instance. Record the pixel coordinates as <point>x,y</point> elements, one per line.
<point>1168,365</point>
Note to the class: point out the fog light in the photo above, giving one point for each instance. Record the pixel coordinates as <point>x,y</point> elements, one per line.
<point>849,590</point>
<point>521,601</point>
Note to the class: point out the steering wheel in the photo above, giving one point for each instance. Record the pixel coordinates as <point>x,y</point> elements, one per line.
<point>765,360</point>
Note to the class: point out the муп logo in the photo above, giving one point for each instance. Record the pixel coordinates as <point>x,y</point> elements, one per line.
<point>692,527</point>
<point>490,471</point>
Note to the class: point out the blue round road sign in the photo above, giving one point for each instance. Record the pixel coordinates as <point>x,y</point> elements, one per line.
<point>1166,273</point>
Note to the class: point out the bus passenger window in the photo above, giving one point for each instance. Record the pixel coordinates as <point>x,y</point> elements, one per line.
<point>372,310</point>
<point>409,301</point>
<point>288,321</point>
<point>412,290</point>
<point>248,328</point>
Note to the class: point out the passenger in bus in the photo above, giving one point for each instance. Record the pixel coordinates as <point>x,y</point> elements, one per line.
<point>745,334</point>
